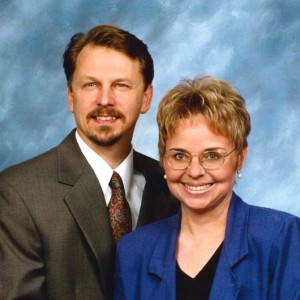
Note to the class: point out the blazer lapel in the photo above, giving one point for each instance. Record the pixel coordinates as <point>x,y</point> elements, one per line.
<point>86,202</point>
<point>162,263</point>
<point>235,248</point>
<point>225,284</point>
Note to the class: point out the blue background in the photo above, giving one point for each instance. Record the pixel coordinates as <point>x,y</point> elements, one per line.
<point>253,44</point>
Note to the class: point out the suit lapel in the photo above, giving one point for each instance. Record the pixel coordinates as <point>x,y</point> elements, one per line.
<point>86,203</point>
<point>149,204</point>
<point>226,285</point>
<point>156,201</point>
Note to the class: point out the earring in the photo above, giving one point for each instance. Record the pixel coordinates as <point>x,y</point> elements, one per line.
<point>165,176</point>
<point>238,174</point>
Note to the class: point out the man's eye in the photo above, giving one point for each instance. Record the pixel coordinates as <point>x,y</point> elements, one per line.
<point>121,85</point>
<point>90,84</point>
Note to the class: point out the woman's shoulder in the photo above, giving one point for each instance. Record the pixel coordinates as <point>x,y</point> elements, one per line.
<point>273,224</point>
<point>262,223</point>
<point>148,234</point>
<point>271,216</point>
<point>266,215</point>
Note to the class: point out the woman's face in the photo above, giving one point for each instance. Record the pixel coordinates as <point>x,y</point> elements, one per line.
<point>196,188</point>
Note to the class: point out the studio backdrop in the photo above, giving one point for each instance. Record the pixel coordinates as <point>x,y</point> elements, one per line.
<point>253,44</point>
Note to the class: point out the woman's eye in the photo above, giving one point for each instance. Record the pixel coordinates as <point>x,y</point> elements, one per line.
<point>212,156</point>
<point>181,156</point>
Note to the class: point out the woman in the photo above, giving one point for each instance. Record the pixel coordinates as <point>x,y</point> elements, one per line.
<point>217,246</point>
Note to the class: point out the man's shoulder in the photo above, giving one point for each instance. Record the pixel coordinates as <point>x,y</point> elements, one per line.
<point>29,165</point>
<point>142,158</point>
<point>33,167</point>
<point>146,164</point>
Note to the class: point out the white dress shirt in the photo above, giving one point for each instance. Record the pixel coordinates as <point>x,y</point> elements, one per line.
<point>134,182</point>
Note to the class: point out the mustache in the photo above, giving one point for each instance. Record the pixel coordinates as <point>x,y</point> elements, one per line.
<point>105,111</point>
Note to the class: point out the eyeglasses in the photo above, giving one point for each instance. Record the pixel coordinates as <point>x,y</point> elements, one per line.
<point>210,160</point>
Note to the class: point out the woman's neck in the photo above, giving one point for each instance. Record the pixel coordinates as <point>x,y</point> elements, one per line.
<point>200,224</point>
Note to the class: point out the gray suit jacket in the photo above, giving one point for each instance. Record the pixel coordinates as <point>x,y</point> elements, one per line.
<point>55,237</point>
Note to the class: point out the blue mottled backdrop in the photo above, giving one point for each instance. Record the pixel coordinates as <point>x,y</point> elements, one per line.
<point>253,44</point>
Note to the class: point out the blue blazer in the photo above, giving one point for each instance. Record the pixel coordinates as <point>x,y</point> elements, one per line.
<point>260,258</point>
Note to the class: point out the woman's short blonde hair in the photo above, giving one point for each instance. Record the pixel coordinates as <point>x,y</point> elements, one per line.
<point>215,99</point>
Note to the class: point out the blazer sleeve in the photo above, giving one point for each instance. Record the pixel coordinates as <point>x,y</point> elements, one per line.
<point>21,262</point>
<point>285,280</point>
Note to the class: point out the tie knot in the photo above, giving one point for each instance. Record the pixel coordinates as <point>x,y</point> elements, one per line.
<point>116,181</point>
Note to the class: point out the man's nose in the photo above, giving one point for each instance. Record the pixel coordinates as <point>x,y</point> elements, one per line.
<point>105,96</point>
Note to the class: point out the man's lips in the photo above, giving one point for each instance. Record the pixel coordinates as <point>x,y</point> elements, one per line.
<point>105,118</point>
<point>105,115</point>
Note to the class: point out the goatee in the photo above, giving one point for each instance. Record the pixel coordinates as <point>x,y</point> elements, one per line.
<point>107,140</point>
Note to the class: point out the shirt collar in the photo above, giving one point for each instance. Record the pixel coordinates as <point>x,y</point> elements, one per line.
<point>101,168</point>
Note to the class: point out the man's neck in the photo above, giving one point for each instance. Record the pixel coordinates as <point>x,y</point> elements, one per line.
<point>113,154</point>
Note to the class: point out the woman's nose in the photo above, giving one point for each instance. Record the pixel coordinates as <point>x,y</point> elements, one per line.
<point>195,168</point>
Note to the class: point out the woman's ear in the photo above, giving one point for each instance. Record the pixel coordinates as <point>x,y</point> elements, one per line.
<point>242,158</point>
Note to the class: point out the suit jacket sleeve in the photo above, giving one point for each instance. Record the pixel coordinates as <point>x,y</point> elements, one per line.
<point>21,271</point>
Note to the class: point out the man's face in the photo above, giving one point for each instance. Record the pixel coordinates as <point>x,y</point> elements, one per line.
<point>106,96</point>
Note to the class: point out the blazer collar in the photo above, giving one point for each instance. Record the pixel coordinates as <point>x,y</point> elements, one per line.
<point>162,263</point>
<point>236,243</point>
<point>164,251</point>
<point>235,248</point>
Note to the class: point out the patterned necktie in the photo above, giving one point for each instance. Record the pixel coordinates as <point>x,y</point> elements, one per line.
<point>118,208</point>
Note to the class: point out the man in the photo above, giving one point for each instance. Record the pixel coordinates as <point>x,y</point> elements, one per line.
<point>56,238</point>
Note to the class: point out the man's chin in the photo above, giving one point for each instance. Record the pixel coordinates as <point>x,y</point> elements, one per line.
<point>105,141</point>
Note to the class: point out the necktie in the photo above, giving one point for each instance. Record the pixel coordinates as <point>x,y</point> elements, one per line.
<point>118,208</point>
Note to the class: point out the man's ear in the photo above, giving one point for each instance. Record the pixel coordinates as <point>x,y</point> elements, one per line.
<point>70,99</point>
<point>147,99</point>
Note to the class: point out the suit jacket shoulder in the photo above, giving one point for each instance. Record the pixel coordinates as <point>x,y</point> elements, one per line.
<point>53,214</point>
<point>49,164</point>
<point>150,168</point>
